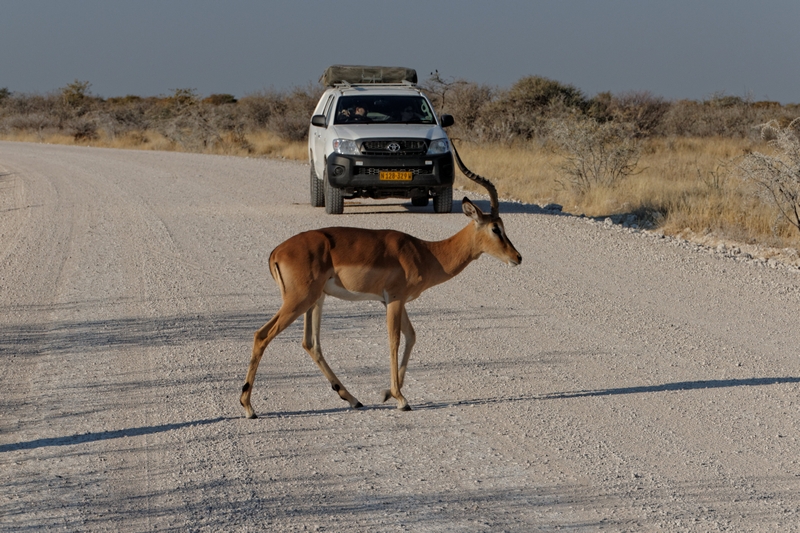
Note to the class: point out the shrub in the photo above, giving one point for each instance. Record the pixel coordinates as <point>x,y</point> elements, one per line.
<point>522,111</point>
<point>125,117</point>
<point>219,99</point>
<point>595,154</point>
<point>459,98</point>
<point>778,175</point>
<point>462,99</point>
<point>293,113</point>
<point>642,109</point>
<point>437,88</point>
<point>600,107</point>
<point>286,114</point>
<point>124,100</point>
<point>83,129</point>
<point>534,94</point>
<point>259,107</point>
<point>724,116</point>
<point>29,122</point>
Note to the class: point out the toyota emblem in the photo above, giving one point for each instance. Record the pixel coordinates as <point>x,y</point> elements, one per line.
<point>393,147</point>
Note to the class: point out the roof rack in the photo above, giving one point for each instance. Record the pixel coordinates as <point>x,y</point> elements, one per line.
<point>367,75</point>
<point>348,85</point>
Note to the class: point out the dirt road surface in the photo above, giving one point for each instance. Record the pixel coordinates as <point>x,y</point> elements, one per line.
<point>614,381</point>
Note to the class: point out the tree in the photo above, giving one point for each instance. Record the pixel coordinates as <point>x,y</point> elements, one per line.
<point>75,94</point>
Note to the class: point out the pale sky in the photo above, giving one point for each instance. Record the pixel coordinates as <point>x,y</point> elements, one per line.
<point>673,48</point>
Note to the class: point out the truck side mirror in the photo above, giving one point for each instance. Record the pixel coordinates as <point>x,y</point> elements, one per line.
<point>447,120</point>
<point>318,120</point>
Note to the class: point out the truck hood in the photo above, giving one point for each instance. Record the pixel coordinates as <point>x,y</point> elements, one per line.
<point>372,130</point>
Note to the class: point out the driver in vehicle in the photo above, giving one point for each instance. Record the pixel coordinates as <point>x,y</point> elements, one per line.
<point>359,111</point>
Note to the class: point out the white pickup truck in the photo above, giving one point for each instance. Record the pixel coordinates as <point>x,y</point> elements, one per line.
<point>374,134</point>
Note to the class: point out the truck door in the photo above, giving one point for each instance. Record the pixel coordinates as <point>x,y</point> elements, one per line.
<point>319,139</point>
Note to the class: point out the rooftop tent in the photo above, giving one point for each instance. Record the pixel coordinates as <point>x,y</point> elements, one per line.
<point>364,74</point>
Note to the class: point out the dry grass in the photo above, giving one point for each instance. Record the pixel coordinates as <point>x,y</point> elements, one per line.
<point>686,186</point>
<point>520,172</point>
<point>270,145</point>
<point>260,143</point>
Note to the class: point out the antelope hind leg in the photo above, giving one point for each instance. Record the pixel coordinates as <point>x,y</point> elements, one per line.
<point>261,339</point>
<point>395,312</point>
<point>311,344</point>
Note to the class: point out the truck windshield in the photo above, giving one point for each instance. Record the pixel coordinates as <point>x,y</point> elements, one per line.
<point>386,109</point>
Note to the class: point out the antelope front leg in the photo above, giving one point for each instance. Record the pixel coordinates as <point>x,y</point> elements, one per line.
<point>394,323</point>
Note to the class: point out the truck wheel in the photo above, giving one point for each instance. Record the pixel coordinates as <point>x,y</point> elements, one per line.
<point>334,201</point>
<point>317,192</point>
<point>443,201</point>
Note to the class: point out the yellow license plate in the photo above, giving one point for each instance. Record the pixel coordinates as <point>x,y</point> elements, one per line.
<point>395,176</point>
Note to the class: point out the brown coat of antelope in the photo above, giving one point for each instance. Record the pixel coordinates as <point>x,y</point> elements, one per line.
<point>362,264</point>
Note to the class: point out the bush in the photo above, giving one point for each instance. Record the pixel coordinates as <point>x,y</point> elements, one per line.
<point>522,111</point>
<point>641,109</point>
<point>124,118</point>
<point>29,122</point>
<point>464,100</point>
<point>259,107</point>
<point>778,175</point>
<point>595,154</point>
<point>285,114</point>
<point>83,129</point>
<point>722,116</point>
<point>219,99</point>
<point>197,126</point>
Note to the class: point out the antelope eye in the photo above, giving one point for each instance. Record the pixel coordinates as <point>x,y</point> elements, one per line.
<point>497,231</point>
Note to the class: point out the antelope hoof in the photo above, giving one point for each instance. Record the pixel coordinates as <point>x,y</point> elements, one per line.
<point>248,411</point>
<point>358,405</point>
<point>402,404</point>
<point>252,416</point>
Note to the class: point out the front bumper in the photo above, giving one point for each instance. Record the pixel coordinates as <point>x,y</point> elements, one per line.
<point>360,175</point>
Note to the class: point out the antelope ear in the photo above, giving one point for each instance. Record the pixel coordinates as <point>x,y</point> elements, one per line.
<point>471,210</point>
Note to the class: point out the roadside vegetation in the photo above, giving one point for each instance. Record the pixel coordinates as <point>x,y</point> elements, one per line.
<point>726,167</point>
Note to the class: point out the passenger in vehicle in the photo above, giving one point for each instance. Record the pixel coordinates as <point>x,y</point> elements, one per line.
<point>408,115</point>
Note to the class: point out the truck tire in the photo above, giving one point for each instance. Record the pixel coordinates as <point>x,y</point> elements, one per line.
<point>334,201</point>
<point>317,191</point>
<point>443,201</point>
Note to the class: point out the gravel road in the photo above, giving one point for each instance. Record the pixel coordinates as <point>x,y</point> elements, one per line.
<point>616,380</point>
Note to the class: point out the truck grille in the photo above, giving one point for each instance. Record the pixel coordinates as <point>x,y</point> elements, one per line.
<point>394,147</point>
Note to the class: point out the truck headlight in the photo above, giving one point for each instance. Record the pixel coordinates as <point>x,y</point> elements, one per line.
<point>345,147</point>
<point>438,146</point>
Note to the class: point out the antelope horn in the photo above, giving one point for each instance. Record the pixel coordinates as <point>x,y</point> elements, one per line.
<point>480,181</point>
